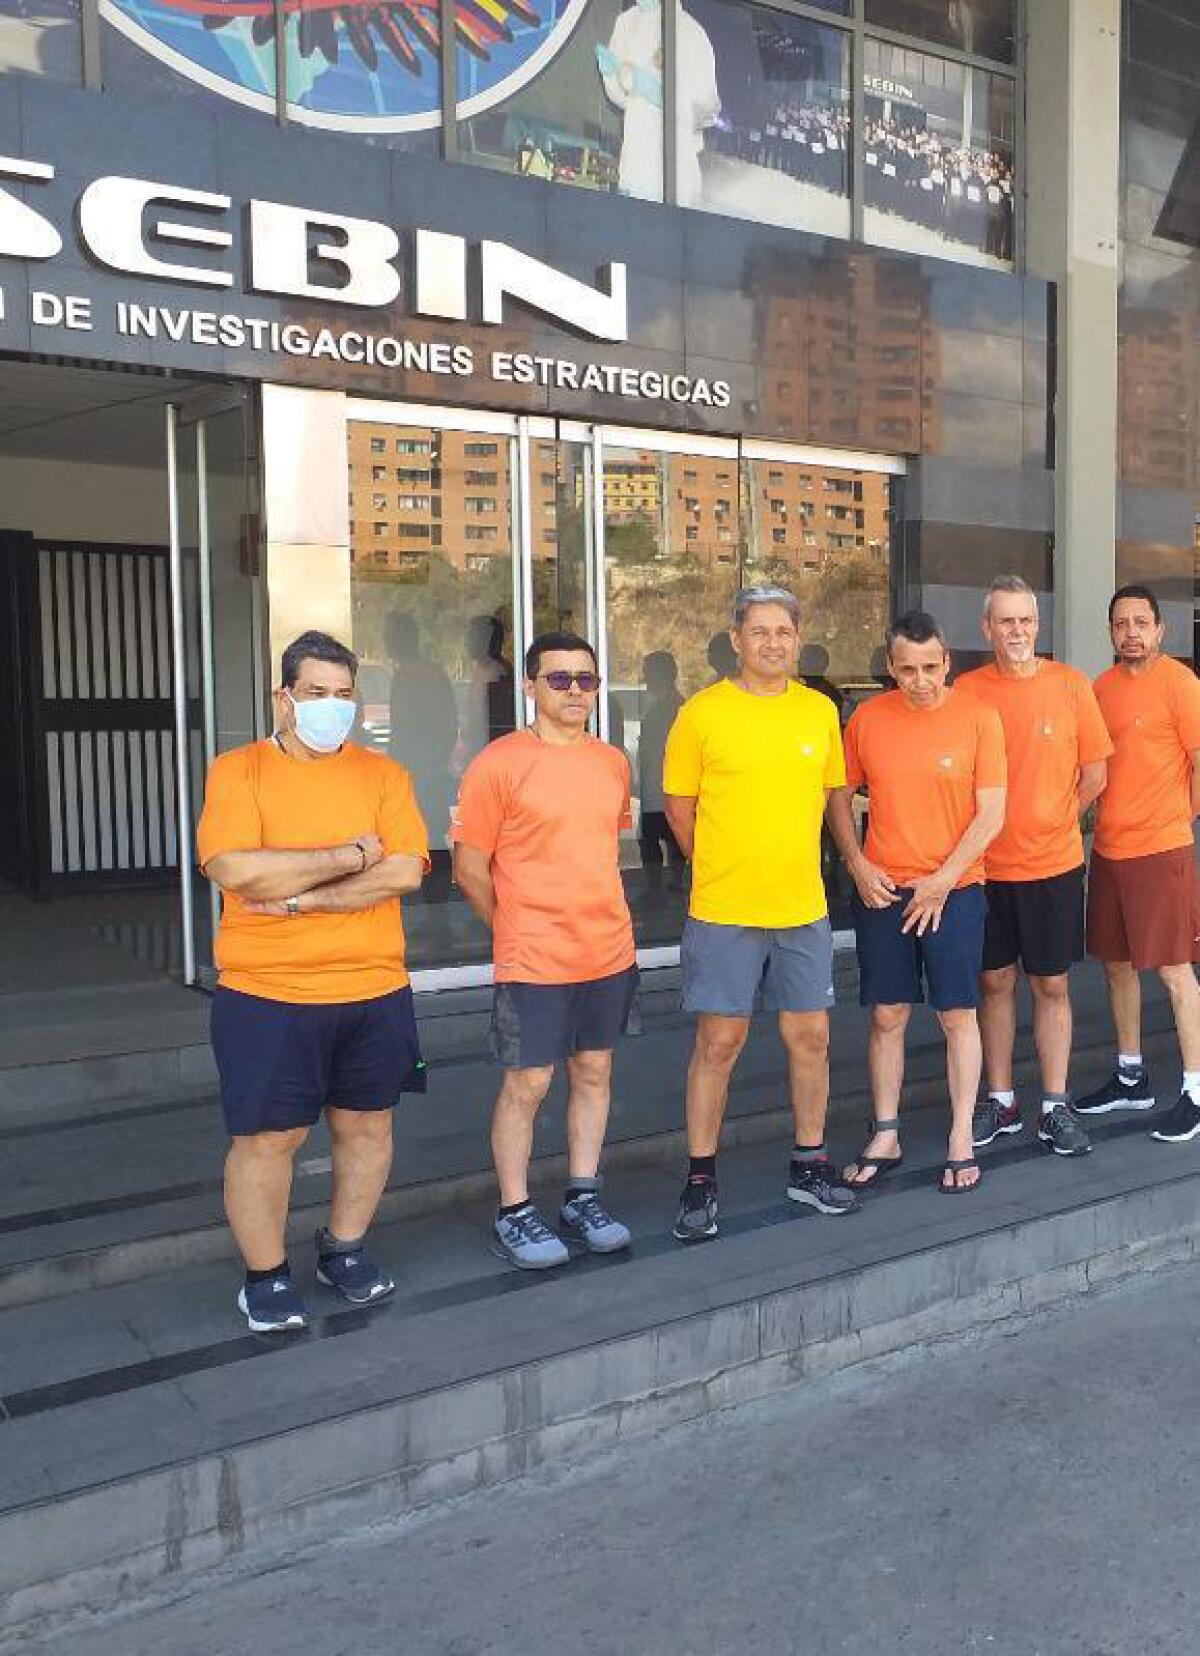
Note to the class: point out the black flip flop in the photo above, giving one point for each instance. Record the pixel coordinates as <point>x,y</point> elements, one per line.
<point>958,1166</point>
<point>883,1165</point>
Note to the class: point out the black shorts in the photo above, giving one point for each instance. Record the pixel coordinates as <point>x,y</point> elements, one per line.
<point>535,1024</point>
<point>282,1062</point>
<point>1036,922</point>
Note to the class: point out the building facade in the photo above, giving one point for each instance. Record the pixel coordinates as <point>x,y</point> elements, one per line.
<point>586,318</point>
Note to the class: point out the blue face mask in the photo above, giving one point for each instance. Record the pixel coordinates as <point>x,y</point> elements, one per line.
<point>323,725</point>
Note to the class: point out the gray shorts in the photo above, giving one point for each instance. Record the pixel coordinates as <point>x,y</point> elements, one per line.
<point>734,970</point>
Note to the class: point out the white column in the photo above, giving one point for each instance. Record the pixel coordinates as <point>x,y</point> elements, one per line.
<point>1072,101</point>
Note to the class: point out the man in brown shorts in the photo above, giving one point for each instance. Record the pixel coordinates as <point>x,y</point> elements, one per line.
<point>1142,910</point>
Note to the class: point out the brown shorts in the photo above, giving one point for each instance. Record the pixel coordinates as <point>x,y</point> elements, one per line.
<point>1143,909</point>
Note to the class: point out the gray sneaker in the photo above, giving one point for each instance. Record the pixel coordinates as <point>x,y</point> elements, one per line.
<point>586,1221</point>
<point>1059,1131</point>
<point>526,1240</point>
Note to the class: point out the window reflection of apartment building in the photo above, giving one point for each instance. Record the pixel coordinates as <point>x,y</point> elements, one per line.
<point>416,492</point>
<point>810,516</point>
<point>850,361</point>
<point>1158,399</point>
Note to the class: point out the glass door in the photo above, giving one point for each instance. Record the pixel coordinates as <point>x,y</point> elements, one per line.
<point>440,616</point>
<point>670,530</point>
<point>219,673</point>
<point>472,532</point>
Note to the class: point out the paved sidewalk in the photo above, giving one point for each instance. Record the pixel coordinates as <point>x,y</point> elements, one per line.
<point>1035,1493</point>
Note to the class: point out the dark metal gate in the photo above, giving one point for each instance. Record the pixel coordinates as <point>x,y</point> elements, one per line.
<point>94,752</point>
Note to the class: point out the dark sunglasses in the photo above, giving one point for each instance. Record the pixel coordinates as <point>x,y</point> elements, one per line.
<point>587,682</point>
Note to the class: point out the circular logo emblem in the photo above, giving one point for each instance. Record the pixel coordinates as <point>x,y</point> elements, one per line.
<point>351,65</point>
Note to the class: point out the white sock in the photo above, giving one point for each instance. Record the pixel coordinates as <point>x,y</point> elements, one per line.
<point>1129,1067</point>
<point>1191,1085</point>
<point>1052,1100</point>
<point>1004,1099</point>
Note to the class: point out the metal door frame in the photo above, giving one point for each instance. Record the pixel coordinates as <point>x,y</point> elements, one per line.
<point>192,413</point>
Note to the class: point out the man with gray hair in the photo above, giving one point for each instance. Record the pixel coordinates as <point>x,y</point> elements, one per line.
<point>750,763</point>
<point>1057,748</point>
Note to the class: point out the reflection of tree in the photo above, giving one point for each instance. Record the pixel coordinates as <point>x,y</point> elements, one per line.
<point>678,605</point>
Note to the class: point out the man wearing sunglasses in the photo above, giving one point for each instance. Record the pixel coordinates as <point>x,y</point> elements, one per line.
<point>750,763</point>
<point>536,855</point>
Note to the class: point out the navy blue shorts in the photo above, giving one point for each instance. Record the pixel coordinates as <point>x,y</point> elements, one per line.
<point>893,968</point>
<point>536,1024</point>
<point>281,1062</point>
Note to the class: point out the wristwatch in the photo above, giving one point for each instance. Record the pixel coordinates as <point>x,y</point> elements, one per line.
<point>292,905</point>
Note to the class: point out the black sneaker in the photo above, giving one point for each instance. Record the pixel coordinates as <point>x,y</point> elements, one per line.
<point>991,1119</point>
<point>818,1184</point>
<point>1117,1094</point>
<point>1180,1124</point>
<point>353,1275</point>
<point>1059,1131</point>
<point>697,1221</point>
<point>272,1306</point>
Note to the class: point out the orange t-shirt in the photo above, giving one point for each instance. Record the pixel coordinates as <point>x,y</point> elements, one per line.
<point>921,769</point>
<point>1052,726</point>
<point>1154,721</point>
<point>258,797</point>
<point>550,819</point>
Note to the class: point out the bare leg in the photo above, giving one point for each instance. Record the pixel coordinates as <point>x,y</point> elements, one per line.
<point>885,1062</point>
<point>1125,998</point>
<point>361,1142</point>
<point>589,1075</point>
<point>258,1183</point>
<point>998,1025</point>
<point>512,1129</point>
<point>1185,1004</point>
<point>1052,1025</point>
<point>806,1037</point>
<point>719,1041</point>
<point>964,1063</point>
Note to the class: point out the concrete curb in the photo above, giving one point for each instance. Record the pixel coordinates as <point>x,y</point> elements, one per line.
<point>117,1540</point>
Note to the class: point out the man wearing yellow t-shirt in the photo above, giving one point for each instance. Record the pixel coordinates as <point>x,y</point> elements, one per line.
<point>313,841</point>
<point>750,762</point>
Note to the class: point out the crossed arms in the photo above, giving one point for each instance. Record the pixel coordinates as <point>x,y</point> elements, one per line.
<point>335,879</point>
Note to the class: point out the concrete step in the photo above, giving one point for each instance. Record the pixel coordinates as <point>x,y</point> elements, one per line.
<point>96,1199</point>
<point>144,1433</point>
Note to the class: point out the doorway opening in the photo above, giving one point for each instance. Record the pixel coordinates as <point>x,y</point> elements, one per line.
<point>128,620</point>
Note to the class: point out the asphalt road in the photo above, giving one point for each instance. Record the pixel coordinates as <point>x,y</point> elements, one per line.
<point>1032,1492</point>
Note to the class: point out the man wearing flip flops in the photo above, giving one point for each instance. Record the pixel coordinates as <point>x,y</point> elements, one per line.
<point>931,761</point>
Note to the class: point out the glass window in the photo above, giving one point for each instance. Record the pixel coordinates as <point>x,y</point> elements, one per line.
<point>432,624</point>
<point>938,153</point>
<point>981,27</point>
<point>771,140</point>
<point>42,38</point>
<point>669,591</point>
<point>569,90</point>
<point>370,70</point>
<point>191,51</point>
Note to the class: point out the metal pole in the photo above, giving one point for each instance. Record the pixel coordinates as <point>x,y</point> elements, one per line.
<point>208,671</point>
<point>601,595</point>
<point>183,781</point>
<point>522,567</point>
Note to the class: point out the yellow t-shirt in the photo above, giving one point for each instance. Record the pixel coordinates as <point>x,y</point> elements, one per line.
<point>758,768</point>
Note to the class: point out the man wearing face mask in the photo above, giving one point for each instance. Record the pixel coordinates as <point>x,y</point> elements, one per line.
<point>313,841</point>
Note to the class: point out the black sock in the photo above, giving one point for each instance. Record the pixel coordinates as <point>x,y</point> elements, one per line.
<point>809,1152</point>
<point>328,1245</point>
<point>265,1276</point>
<point>702,1167</point>
<point>513,1207</point>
